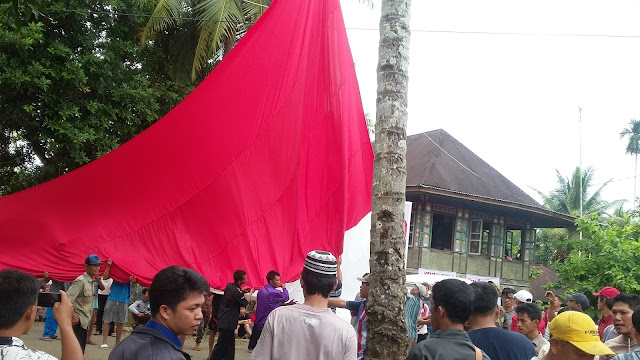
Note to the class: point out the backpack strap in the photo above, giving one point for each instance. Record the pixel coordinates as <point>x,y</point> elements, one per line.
<point>478,353</point>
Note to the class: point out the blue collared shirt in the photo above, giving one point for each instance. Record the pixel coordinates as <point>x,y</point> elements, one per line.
<point>166,332</point>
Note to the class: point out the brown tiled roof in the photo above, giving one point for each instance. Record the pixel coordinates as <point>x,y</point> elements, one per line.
<point>436,159</point>
<point>537,286</point>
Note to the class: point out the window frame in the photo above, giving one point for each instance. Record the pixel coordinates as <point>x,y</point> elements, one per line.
<point>478,240</point>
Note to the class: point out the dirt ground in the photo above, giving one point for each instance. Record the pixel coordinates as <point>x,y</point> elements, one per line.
<point>93,352</point>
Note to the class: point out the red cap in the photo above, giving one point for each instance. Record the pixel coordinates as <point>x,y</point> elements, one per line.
<point>608,292</point>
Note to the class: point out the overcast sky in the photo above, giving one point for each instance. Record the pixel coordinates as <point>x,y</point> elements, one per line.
<point>506,78</point>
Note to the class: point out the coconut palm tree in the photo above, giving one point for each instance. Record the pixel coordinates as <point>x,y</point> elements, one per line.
<point>566,198</point>
<point>633,148</point>
<point>214,25</point>
<point>204,31</point>
<point>556,244</point>
<point>385,305</point>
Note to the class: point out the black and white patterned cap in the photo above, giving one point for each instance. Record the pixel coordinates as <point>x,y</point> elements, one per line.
<point>321,263</point>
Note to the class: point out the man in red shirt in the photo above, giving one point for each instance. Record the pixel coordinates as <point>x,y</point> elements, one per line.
<point>605,304</point>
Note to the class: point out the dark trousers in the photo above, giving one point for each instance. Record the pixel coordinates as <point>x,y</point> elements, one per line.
<point>81,334</point>
<point>255,335</point>
<point>102,301</point>
<point>225,348</point>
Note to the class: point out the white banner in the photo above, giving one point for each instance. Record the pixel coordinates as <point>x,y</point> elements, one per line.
<point>407,220</point>
<point>478,278</point>
<point>422,271</point>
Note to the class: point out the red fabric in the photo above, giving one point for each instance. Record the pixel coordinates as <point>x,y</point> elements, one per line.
<point>267,159</point>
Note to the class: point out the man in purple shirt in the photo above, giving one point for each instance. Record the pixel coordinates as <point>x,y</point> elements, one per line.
<point>269,298</point>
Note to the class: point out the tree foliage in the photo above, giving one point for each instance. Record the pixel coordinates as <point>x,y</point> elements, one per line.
<point>633,133</point>
<point>19,12</point>
<point>75,85</point>
<point>566,198</point>
<point>553,245</point>
<point>208,28</point>
<point>608,256</point>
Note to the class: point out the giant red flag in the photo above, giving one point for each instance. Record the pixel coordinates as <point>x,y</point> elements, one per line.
<point>267,159</point>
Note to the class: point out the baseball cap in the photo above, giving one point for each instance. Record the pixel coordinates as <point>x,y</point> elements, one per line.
<point>608,292</point>
<point>580,299</point>
<point>364,278</point>
<point>524,296</point>
<point>422,289</point>
<point>578,329</point>
<point>92,260</point>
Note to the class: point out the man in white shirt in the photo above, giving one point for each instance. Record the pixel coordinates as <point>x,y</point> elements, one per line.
<point>102,301</point>
<point>141,309</point>
<point>309,331</point>
<point>18,304</point>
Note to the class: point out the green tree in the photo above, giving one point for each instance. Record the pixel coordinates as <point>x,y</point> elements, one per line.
<point>75,85</point>
<point>566,198</point>
<point>609,256</point>
<point>207,29</point>
<point>385,306</point>
<point>204,31</point>
<point>19,12</point>
<point>554,245</point>
<point>633,148</point>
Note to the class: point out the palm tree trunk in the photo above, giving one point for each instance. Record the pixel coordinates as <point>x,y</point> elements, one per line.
<point>635,182</point>
<point>385,306</point>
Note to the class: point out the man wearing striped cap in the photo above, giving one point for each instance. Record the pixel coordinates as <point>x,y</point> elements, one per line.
<point>310,330</point>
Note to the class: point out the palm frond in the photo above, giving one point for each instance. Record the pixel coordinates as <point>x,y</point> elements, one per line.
<point>633,132</point>
<point>167,14</point>
<point>254,9</point>
<point>220,21</point>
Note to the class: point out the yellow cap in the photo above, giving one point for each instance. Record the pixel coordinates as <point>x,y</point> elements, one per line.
<point>578,329</point>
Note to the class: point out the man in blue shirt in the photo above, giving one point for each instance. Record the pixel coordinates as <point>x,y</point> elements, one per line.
<point>176,296</point>
<point>497,343</point>
<point>117,306</point>
<point>358,309</point>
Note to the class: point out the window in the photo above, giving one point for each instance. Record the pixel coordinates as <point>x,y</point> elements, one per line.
<point>485,242</point>
<point>512,245</point>
<point>411,226</point>
<point>475,237</point>
<point>442,233</point>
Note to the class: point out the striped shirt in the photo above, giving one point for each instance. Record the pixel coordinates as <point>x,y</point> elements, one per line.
<point>412,309</point>
<point>634,355</point>
<point>362,330</point>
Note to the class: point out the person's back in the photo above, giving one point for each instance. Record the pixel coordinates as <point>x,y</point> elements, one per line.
<point>497,343</point>
<point>310,331</point>
<point>451,305</point>
<point>325,336</point>
<point>446,344</point>
<point>501,344</point>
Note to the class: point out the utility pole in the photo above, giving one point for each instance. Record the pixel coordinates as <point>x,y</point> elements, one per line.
<point>580,168</point>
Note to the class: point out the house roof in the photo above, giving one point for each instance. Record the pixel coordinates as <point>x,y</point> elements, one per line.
<point>545,277</point>
<point>437,163</point>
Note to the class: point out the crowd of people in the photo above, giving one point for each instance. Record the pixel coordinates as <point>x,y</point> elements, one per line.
<point>450,320</point>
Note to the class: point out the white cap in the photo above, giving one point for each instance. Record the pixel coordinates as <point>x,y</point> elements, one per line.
<point>523,296</point>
